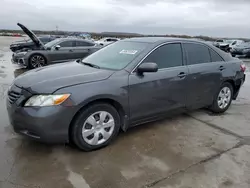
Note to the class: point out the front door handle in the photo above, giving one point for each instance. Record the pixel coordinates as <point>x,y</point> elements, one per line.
<point>221,68</point>
<point>182,75</point>
<point>71,50</point>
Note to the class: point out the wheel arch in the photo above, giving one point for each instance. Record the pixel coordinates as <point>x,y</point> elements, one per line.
<point>117,105</point>
<point>37,53</point>
<point>235,87</point>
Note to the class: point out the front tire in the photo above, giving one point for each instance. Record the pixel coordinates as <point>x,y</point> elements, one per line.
<point>36,61</point>
<point>223,98</point>
<point>95,127</point>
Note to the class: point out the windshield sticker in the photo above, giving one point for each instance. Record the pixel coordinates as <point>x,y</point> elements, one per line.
<point>131,52</point>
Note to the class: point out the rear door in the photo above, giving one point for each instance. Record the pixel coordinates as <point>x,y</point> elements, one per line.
<point>82,49</point>
<point>65,53</point>
<point>156,93</point>
<point>205,68</point>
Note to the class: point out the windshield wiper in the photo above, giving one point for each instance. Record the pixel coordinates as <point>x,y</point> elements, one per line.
<point>91,65</point>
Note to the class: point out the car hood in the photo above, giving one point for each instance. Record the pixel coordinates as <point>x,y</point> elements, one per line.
<point>51,78</point>
<point>224,44</point>
<point>31,35</point>
<point>243,46</point>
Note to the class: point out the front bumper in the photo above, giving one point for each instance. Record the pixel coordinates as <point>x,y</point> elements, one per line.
<point>20,60</point>
<point>44,124</point>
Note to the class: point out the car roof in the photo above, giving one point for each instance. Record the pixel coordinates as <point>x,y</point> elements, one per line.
<point>76,39</point>
<point>160,39</point>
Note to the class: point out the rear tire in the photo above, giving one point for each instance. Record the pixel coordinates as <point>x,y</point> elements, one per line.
<point>223,98</point>
<point>95,127</point>
<point>36,61</point>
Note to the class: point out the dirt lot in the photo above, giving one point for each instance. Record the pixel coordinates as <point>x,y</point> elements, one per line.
<point>193,150</point>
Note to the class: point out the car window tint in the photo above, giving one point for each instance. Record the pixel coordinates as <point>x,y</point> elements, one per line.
<point>215,57</point>
<point>67,44</point>
<point>83,43</point>
<point>234,42</point>
<point>197,53</point>
<point>169,55</point>
<point>44,39</point>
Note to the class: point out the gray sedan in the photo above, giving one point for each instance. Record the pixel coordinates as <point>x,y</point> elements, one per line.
<point>57,51</point>
<point>124,84</point>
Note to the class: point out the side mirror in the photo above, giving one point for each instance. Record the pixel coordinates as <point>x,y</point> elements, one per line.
<point>78,60</point>
<point>57,47</point>
<point>147,67</point>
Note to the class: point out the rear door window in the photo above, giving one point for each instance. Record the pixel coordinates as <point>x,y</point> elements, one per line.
<point>197,53</point>
<point>83,44</point>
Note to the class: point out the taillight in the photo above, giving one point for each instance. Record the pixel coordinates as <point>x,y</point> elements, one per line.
<point>243,67</point>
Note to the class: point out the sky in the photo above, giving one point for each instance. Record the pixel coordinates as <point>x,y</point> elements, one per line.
<point>216,18</point>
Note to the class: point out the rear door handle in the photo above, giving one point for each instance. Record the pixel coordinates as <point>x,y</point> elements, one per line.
<point>182,75</point>
<point>71,50</point>
<point>221,68</point>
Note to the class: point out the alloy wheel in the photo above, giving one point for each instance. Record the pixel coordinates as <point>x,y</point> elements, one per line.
<point>37,61</point>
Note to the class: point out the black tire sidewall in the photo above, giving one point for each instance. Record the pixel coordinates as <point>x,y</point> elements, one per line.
<point>215,107</point>
<point>79,122</point>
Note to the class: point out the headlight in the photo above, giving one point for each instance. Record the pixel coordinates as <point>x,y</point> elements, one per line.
<point>21,53</point>
<point>46,100</point>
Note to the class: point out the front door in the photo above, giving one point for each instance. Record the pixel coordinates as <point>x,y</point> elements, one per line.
<point>154,94</point>
<point>205,68</point>
<point>64,53</point>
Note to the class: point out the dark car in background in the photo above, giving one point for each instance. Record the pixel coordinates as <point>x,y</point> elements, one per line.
<point>242,50</point>
<point>124,84</point>
<point>29,44</point>
<point>57,51</point>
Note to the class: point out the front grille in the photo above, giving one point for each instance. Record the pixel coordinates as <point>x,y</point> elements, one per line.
<point>13,96</point>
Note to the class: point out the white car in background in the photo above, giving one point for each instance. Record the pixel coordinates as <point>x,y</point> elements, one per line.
<point>218,42</point>
<point>106,41</point>
<point>227,45</point>
<point>232,43</point>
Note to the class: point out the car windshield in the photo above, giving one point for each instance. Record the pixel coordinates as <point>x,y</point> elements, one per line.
<point>116,56</point>
<point>230,41</point>
<point>52,43</point>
